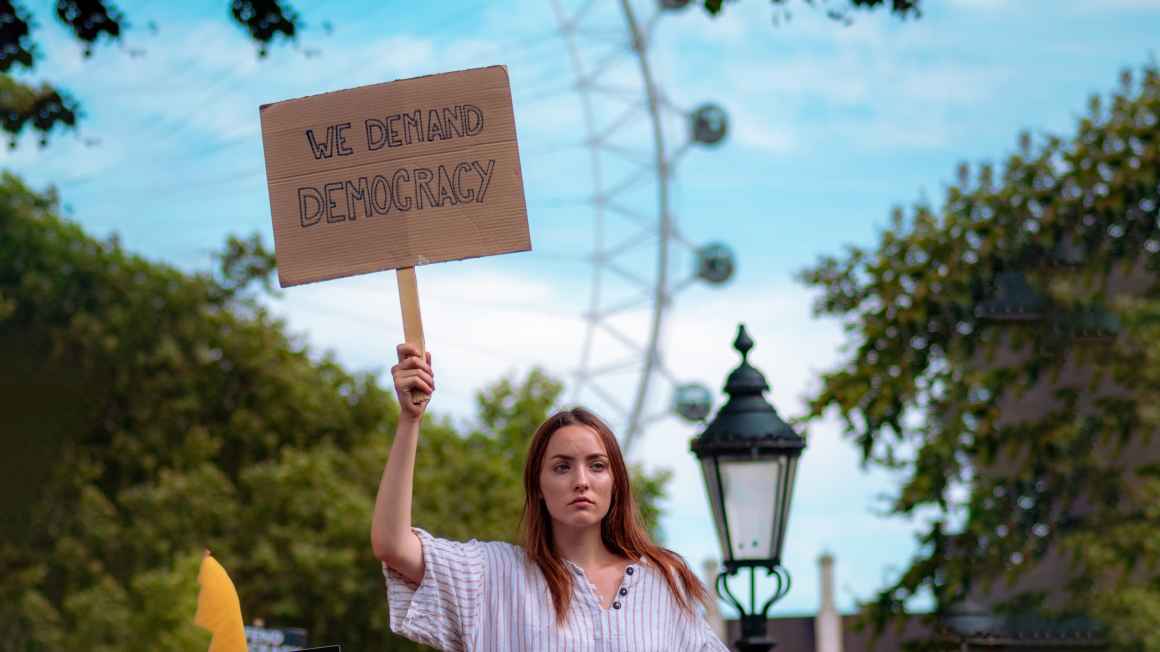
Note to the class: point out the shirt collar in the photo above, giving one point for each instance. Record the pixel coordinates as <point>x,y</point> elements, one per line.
<point>630,576</point>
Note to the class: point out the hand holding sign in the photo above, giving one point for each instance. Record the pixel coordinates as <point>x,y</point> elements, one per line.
<point>395,175</point>
<point>413,375</point>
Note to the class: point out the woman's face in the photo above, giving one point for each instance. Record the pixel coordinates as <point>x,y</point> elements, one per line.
<point>576,478</point>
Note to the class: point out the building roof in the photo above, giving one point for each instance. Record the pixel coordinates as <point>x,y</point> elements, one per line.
<point>796,634</point>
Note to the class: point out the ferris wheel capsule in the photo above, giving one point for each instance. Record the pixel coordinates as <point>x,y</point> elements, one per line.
<point>715,263</point>
<point>709,124</point>
<point>692,401</point>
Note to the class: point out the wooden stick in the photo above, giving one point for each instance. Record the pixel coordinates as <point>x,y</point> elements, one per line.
<point>412,319</point>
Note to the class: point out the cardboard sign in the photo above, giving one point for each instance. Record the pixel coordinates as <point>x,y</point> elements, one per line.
<point>394,175</point>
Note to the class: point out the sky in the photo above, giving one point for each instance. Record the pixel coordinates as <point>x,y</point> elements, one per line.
<point>830,126</point>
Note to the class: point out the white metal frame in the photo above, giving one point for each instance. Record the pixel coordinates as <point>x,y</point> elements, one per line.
<point>661,227</point>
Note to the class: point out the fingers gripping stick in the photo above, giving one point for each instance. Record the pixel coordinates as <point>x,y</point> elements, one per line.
<point>412,319</point>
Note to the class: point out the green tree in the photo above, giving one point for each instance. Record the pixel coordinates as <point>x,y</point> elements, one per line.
<point>929,385</point>
<point>148,414</point>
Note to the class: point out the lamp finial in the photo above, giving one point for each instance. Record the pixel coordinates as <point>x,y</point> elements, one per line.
<point>743,343</point>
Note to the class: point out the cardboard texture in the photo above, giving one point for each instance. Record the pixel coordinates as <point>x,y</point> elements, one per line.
<point>394,175</point>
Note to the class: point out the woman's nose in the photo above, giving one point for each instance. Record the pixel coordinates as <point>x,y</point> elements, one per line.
<point>581,478</point>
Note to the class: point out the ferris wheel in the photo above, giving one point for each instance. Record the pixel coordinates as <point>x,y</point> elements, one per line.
<point>640,261</point>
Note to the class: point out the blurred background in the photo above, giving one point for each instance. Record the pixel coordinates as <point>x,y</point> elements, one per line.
<point>938,221</point>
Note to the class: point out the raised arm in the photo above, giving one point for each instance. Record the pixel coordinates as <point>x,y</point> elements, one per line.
<point>391,537</point>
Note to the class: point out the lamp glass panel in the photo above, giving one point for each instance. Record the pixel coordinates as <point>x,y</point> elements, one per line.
<point>782,522</point>
<point>709,470</point>
<point>752,500</point>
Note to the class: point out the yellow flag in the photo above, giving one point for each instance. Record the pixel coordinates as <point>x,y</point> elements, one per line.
<point>218,608</point>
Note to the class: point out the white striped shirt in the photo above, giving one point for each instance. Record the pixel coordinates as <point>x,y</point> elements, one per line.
<point>484,596</point>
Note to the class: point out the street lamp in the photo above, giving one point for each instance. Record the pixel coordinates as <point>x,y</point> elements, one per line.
<point>749,459</point>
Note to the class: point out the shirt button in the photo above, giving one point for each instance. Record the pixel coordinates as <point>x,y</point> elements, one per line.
<point>623,591</point>
<point>615,605</point>
<point>630,570</point>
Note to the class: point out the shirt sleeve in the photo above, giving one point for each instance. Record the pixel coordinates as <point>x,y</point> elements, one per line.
<point>700,635</point>
<point>441,611</point>
<point>707,638</point>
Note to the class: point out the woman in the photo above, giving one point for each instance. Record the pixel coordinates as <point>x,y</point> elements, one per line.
<point>586,576</point>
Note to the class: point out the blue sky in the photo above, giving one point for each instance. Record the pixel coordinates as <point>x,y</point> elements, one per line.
<point>830,127</point>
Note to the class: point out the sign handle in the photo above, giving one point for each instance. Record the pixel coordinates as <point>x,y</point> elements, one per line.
<point>412,319</point>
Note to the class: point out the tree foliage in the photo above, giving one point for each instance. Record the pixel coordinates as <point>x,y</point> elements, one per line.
<point>932,388</point>
<point>148,414</point>
<point>841,11</point>
<point>43,108</point>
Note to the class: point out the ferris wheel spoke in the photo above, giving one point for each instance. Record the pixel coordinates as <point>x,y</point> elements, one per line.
<point>625,274</point>
<point>635,303</point>
<point>616,123</point>
<point>517,59</point>
<point>610,36</point>
<point>635,216</point>
<point>625,184</point>
<point>559,257</point>
<point>533,308</point>
<point>581,375</point>
<point>651,25</point>
<point>624,153</point>
<point>616,92</point>
<point>682,285</point>
<point>677,237</point>
<point>525,44</point>
<point>641,237</point>
<point>608,398</point>
<point>549,83</point>
<point>619,336</point>
<point>668,105</point>
<point>546,77</point>
<point>580,13</point>
<point>676,156</point>
<point>654,417</point>
<point>604,64</point>
<point>523,101</point>
<point>663,369</point>
<point>615,367</point>
<point>550,149</point>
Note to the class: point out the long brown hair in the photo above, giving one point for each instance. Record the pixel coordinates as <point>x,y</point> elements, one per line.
<point>621,530</point>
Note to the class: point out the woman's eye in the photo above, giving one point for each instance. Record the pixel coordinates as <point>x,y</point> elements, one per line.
<point>560,468</point>
<point>598,466</point>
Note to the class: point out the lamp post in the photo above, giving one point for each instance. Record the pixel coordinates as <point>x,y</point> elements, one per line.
<point>749,458</point>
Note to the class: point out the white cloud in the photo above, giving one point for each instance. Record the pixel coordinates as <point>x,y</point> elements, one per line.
<point>766,133</point>
<point>862,95</point>
<point>877,84</point>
